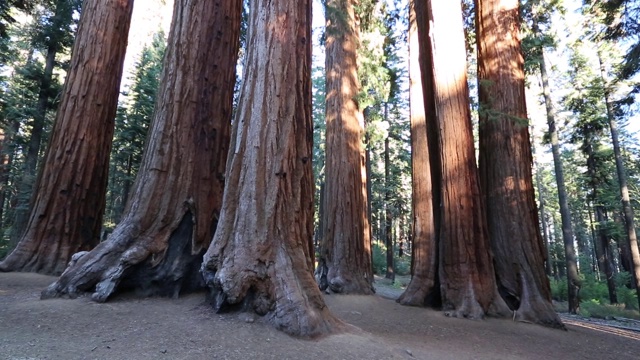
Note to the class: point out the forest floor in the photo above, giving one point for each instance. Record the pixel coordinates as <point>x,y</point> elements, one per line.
<point>187,328</point>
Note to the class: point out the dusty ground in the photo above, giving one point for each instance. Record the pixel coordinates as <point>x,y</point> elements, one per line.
<point>186,328</point>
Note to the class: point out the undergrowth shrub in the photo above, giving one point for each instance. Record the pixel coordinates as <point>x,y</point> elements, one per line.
<point>402,265</point>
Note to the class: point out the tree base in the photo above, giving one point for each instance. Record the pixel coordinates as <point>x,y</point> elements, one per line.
<point>421,292</point>
<point>124,264</point>
<point>336,281</point>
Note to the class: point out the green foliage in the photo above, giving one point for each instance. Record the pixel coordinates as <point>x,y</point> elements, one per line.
<point>595,309</point>
<point>402,265</point>
<point>132,123</point>
<point>594,296</point>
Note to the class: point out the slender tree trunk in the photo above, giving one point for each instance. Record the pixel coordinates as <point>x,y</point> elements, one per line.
<point>259,258</point>
<point>424,287</point>
<point>390,273</point>
<point>505,165</point>
<point>170,218</point>
<point>26,184</point>
<point>367,140</point>
<point>8,155</point>
<point>69,196</point>
<point>344,265</point>
<point>627,210</point>
<point>467,274</point>
<point>543,218</point>
<point>573,280</point>
<point>603,251</point>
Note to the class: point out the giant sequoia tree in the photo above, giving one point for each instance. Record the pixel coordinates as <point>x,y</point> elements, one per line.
<point>174,206</point>
<point>505,165</point>
<point>67,207</point>
<point>261,255</point>
<point>424,288</point>
<point>344,263</point>
<point>465,266</point>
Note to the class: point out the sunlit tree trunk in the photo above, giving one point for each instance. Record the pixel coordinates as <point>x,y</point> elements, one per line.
<point>505,165</point>
<point>467,278</point>
<point>260,258</point>
<point>344,264</point>
<point>69,197</point>
<point>424,288</point>
<point>170,218</point>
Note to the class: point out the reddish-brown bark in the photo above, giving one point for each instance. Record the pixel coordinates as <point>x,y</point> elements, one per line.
<point>169,220</point>
<point>260,257</point>
<point>505,165</point>
<point>66,214</point>
<point>465,269</point>
<point>424,287</point>
<point>344,263</point>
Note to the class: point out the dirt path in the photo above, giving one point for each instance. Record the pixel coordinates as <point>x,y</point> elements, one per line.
<point>186,328</point>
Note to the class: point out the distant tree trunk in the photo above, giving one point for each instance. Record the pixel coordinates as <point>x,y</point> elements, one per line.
<point>627,210</point>
<point>603,251</point>
<point>367,160</point>
<point>344,264</point>
<point>424,287</point>
<point>26,182</point>
<point>401,236</point>
<point>170,218</point>
<point>505,165</point>
<point>467,277</point>
<point>260,255</point>
<point>390,273</point>
<point>543,218</point>
<point>573,280</point>
<point>69,196</point>
<point>320,228</point>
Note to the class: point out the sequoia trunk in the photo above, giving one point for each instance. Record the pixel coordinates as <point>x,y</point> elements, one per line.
<point>466,270</point>
<point>344,264</point>
<point>424,288</point>
<point>173,210</point>
<point>505,165</point>
<point>260,258</point>
<point>66,214</point>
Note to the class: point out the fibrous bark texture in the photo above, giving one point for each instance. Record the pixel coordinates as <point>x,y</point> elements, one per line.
<point>466,270</point>
<point>69,199</point>
<point>344,263</point>
<point>172,213</point>
<point>260,257</point>
<point>505,165</point>
<point>424,287</point>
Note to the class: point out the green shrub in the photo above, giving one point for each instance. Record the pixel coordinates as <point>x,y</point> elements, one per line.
<point>595,309</point>
<point>379,259</point>
<point>402,264</point>
<point>593,290</point>
<point>559,290</point>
